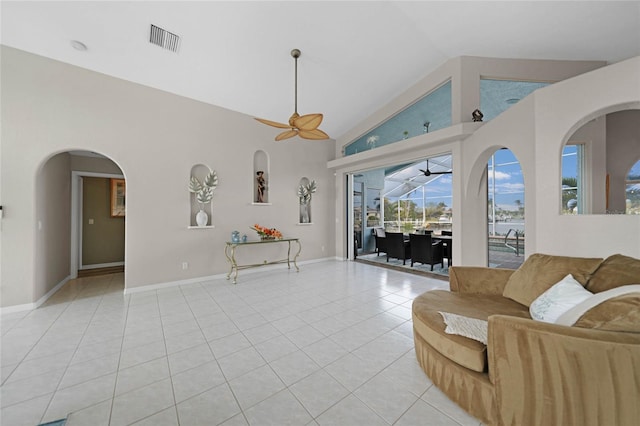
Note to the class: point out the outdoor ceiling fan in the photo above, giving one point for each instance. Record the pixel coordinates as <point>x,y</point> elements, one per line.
<point>305,126</point>
<point>429,172</point>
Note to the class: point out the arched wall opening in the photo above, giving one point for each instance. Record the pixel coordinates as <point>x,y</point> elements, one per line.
<point>495,228</point>
<point>506,210</point>
<point>64,206</point>
<point>595,162</point>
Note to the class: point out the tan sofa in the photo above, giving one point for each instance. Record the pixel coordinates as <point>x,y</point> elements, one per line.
<point>532,372</point>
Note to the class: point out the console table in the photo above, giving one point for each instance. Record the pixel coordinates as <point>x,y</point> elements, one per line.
<point>230,253</point>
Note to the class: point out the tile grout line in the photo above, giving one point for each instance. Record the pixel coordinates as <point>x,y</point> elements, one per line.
<point>74,353</point>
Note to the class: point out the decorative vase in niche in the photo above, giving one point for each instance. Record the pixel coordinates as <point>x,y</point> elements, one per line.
<point>304,213</point>
<point>202,218</point>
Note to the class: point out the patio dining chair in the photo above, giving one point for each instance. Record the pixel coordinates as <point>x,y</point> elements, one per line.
<point>425,250</point>
<point>397,246</point>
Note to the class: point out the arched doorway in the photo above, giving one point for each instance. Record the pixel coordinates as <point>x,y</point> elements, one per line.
<point>65,205</point>
<point>506,211</point>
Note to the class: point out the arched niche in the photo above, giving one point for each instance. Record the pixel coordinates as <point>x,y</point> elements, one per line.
<point>199,172</point>
<point>304,201</point>
<point>596,159</point>
<point>261,176</point>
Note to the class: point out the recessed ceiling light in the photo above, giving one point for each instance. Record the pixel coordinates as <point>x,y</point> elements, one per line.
<point>512,101</point>
<point>78,45</point>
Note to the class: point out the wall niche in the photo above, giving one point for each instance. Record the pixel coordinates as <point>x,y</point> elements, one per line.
<point>202,183</point>
<point>306,188</point>
<point>261,177</point>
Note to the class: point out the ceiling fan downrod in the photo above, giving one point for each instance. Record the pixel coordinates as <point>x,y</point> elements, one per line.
<point>296,54</point>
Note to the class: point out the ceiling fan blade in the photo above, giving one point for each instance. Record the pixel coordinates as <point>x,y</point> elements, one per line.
<point>308,122</point>
<point>315,134</point>
<point>286,135</point>
<point>274,123</point>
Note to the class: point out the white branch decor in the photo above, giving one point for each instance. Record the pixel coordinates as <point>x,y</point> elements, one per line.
<point>204,191</point>
<point>305,191</point>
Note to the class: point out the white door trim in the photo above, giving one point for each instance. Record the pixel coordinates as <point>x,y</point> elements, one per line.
<point>76,215</point>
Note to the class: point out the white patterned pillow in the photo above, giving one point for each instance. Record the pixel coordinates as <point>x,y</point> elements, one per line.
<point>558,299</point>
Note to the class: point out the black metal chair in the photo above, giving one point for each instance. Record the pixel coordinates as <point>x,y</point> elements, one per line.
<point>397,246</point>
<point>381,244</point>
<point>425,250</point>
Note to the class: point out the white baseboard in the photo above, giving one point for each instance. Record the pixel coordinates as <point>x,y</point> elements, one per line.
<point>151,287</point>
<point>168,284</point>
<point>101,265</point>
<point>37,303</point>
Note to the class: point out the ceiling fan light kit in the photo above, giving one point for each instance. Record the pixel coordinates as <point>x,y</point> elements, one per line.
<point>305,126</point>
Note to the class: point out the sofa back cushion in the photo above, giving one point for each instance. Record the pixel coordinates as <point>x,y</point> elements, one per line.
<point>541,271</point>
<point>615,271</point>
<point>621,313</point>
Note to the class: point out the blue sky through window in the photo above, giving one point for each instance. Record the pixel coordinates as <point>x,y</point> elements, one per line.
<point>509,181</point>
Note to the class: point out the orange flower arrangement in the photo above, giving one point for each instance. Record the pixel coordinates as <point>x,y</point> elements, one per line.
<point>267,233</point>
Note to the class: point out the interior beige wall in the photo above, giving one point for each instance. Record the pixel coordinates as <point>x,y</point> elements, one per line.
<point>52,226</point>
<point>83,163</point>
<point>469,191</point>
<point>559,111</point>
<point>155,137</point>
<point>545,120</point>
<point>623,151</point>
<point>102,235</point>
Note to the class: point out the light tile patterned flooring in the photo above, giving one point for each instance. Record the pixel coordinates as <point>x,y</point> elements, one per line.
<point>330,345</point>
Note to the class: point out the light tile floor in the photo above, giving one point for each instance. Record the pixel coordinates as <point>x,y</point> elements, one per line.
<point>330,345</point>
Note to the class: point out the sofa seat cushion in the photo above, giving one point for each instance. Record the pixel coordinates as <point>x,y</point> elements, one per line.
<point>429,324</point>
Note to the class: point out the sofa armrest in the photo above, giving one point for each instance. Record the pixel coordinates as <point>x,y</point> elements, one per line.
<point>546,374</point>
<point>477,279</point>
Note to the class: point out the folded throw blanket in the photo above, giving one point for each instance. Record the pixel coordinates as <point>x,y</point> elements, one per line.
<point>472,328</point>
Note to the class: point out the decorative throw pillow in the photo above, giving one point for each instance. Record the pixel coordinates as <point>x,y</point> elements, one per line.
<point>615,271</point>
<point>561,297</point>
<point>541,271</point>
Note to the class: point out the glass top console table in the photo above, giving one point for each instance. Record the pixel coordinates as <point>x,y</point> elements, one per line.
<point>230,253</point>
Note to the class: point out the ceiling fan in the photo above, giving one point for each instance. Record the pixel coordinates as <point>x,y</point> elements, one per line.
<point>305,126</point>
<point>429,172</point>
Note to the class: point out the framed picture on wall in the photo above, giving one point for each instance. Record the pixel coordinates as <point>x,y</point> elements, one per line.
<point>118,192</point>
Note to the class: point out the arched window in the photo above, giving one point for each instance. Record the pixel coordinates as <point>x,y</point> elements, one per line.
<point>633,189</point>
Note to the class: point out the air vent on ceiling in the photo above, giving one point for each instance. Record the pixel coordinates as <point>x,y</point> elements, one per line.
<point>164,38</point>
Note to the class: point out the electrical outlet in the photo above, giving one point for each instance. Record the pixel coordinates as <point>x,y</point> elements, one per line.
<point>322,248</point>
<point>185,265</point>
<point>90,221</point>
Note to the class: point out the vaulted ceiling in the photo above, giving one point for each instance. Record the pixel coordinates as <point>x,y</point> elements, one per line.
<point>356,56</point>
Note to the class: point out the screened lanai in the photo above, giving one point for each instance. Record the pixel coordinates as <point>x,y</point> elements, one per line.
<point>408,179</point>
